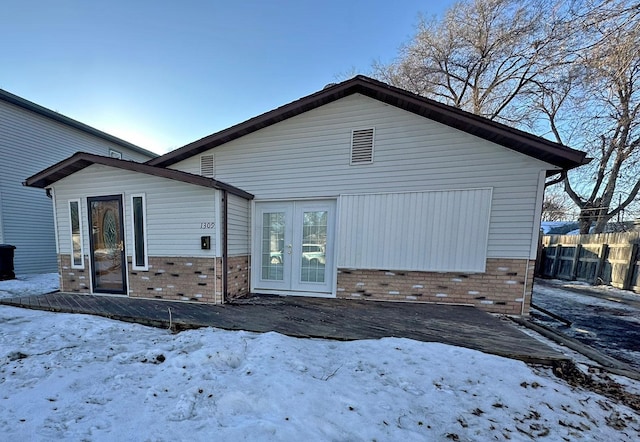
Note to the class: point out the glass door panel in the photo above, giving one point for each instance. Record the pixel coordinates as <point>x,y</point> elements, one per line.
<point>273,234</point>
<point>313,247</point>
<point>273,246</point>
<point>107,244</point>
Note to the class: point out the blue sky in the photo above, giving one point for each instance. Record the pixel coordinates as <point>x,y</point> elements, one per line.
<point>164,73</point>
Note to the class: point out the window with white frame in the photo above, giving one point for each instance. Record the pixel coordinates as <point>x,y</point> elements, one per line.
<point>140,258</point>
<point>75,229</point>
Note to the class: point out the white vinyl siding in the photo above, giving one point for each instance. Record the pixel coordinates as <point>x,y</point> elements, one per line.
<point>238,225</point>
<point>29,144</point>
<point>177,214</point>
<point>1,216</point>
<point>442,231</point>
<point>308,156</point>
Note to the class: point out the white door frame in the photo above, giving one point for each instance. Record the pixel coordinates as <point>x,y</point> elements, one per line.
<point>291,284</point>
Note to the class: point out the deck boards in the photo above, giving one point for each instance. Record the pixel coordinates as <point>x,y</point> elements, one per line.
<point>315,317</point>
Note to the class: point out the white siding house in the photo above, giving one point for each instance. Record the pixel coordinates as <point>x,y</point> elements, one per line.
<point>128,228</point>
<point>168,203</point>
<point>32,138</point>
<point>308,156</point>
<point>360,190</point>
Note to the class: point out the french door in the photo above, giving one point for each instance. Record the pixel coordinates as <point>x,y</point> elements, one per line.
<point>106,238</point>
<point>294,247</point>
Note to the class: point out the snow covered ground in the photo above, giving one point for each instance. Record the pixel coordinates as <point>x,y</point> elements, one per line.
<point>30,285</point>
<point>78,377</point>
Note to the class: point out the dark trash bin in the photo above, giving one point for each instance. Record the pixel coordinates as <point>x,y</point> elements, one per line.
<point>6,262</point>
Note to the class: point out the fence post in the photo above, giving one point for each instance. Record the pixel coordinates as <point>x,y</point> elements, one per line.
<point>574,264</point>
<point>556,261</point>
<point>629,273</point>
<point>540,258</point>
<point>600,265</point>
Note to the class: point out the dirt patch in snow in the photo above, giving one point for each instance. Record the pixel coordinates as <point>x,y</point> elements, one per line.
<point>597,381</point>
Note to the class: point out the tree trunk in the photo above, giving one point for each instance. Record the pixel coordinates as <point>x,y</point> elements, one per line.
<point>602,221</point>
<point>585,219</point>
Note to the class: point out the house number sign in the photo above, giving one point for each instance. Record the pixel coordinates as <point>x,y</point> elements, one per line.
<point>207,225</point>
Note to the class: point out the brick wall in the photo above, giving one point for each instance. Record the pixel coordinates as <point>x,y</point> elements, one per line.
<point>176,279</point>
<point>499,290</point>
<point>237,276</point>
<point>73,280</point>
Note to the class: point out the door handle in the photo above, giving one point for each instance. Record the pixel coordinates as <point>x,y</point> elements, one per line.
<point>290,247</point>
<point>121,246</point>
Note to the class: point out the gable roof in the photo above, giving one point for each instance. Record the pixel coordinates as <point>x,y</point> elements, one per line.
<point>81,160</point>
<point>517,140</point>
<point>55,116</point>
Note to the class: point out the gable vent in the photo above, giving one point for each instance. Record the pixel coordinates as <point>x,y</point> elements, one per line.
<point>206,166</point>
<point>362,146</point>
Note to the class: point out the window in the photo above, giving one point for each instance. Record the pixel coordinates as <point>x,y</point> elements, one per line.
<point>140,260</point>
<point>362,146</point>
<point>75,228</point>
<point>115,154</point>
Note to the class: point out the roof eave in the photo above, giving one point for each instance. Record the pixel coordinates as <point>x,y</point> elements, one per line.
<point>520,141</point>
<point>254,124</point>
<point>48,113</point>
<point>81,160</point>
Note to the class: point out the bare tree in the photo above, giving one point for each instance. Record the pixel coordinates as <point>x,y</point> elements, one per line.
<point>556,207</point>
<point>484,57</point>
<point>596,107</point>
<point>566,69</point>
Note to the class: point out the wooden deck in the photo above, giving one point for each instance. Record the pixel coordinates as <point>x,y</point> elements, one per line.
<point>314,318</point>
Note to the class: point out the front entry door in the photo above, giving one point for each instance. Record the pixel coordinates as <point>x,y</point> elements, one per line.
<point>107,244</point>
<point>295,247</point>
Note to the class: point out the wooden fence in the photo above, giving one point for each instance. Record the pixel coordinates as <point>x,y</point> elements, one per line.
<point>607,258</point>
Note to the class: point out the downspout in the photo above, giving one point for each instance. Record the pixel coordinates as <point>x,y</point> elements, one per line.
<point>225,222</point>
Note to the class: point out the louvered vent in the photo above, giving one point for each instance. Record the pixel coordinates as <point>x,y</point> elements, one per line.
<point>362,146</point>
<point>206,166</point>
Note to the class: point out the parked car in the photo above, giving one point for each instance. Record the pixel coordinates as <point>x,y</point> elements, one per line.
<point>311,253</point>
<point>275,257</point>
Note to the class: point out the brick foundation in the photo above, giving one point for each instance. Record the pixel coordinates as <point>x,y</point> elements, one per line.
<point>176,279</point>
<point>171,278</point>
<point>499,290</point>
<point>237,277</point>
<point>73,280</point>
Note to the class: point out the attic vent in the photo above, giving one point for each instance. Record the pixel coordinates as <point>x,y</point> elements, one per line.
<point>206,166</point>
<point>362,146</point>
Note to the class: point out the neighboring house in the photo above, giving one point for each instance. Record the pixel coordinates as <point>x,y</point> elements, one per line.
<point>31,138</point>
<point>573,227</point>
<point>360,190</point>
<point>558,227</point>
